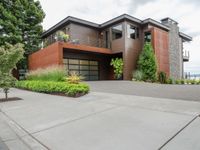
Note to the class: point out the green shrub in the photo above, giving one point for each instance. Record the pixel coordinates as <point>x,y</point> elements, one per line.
<point>178,81</point>
<point>54,87</point>
<point>188,81</point>
<point>52,73</point>
<point>193,81</point>
<point>182,81</point>
<point>162,77</point>
<point>138,75</point>
<point>198,81</point>
<point>117,64</point>
<point>170,81</point>
<point>147,63</point>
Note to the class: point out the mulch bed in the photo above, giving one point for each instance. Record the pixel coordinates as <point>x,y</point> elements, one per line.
<point>56,93</point>
<point>62,94</point>
<point>10,99</point>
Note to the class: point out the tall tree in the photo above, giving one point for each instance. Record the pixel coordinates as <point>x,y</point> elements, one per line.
<point>147,63</point>
<point>20,22</point>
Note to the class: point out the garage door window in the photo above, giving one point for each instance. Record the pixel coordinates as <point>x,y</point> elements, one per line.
<point>89,69</point>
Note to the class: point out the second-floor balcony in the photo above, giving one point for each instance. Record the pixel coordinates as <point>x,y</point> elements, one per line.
<point>186,56</point>
<point>79,39</point>
<point>89,41</point>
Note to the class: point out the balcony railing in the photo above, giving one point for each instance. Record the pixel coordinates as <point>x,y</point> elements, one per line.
<point>87,40</point>
<point>80,39</point>
<point>186,55</point>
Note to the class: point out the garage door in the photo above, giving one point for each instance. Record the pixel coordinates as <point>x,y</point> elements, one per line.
<point>89,69</point>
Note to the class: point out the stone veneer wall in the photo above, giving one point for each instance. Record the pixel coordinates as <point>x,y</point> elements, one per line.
<point>175,51</point>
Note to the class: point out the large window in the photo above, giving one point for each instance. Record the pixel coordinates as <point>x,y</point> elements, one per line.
<point>147,36</point>
<point>89,69</point>
<point>117,32</point>
<point>132,32</point>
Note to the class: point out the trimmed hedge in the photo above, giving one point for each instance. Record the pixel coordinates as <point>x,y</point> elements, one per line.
<point>73,90</point>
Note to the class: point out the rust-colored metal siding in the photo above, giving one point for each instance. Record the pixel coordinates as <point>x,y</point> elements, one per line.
<point>161,47</point>
<point>51,55</point>
<point>86,48</point>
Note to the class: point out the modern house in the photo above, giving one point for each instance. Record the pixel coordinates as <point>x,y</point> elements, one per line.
<point>92,46</point>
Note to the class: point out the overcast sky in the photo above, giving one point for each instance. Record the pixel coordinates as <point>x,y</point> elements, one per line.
<point>186,12</point>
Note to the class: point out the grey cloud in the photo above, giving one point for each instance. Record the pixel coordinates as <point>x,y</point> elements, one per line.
<point>134,4</point>
<point>191,1</point>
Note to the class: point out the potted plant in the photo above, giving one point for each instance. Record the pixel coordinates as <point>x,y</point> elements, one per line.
<point>61,36</point>
<point>117,64</point>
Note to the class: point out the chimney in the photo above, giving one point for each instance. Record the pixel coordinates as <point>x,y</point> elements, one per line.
<point>168,21</point>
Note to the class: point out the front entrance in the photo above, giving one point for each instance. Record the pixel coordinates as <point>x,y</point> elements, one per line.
<point>89,69</point>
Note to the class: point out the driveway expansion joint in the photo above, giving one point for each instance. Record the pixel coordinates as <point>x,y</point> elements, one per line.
<point>152,109</point>
<point>184,127</point>
<point>77,119</point>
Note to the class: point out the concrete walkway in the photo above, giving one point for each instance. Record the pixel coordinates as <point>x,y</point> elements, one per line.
<point>98,121</point>
<point>184,92</point>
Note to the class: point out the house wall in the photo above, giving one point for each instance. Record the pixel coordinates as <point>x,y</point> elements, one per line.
<point>51,55</point>
<point>175,50</point>
<point>117,45</point>
<point>161,47</point>
<point>85,35</point>
<point>132,50</point>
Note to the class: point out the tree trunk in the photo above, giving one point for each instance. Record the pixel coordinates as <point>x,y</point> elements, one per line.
<point>6,93</point>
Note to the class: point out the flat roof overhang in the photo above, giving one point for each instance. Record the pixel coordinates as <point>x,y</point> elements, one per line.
<point>115,20</point>
<point>85,48</point>
<point>185,37</point>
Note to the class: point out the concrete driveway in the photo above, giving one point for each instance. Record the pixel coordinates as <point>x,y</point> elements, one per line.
<point>184,92</point>
<point>98,121</point>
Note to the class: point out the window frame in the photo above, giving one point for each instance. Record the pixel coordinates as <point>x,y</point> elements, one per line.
<point>150,33</point>
<point>120,24</point>
<point>137,32</point>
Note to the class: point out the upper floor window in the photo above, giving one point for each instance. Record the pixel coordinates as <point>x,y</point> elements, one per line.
<point>147,37</point>
<point>132,32</point>
<point>117,32</point>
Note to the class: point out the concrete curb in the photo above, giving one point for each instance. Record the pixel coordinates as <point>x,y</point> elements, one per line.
<point>20,136</point>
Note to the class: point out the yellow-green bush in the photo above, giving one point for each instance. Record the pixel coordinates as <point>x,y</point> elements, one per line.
<point>74,78</point>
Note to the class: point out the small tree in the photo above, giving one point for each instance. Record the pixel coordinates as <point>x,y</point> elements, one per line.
<point>117,64</point>
<point>147,63</point>
<point>9,56</point>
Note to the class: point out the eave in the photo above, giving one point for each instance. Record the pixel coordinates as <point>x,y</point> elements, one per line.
<point>185,37</point>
